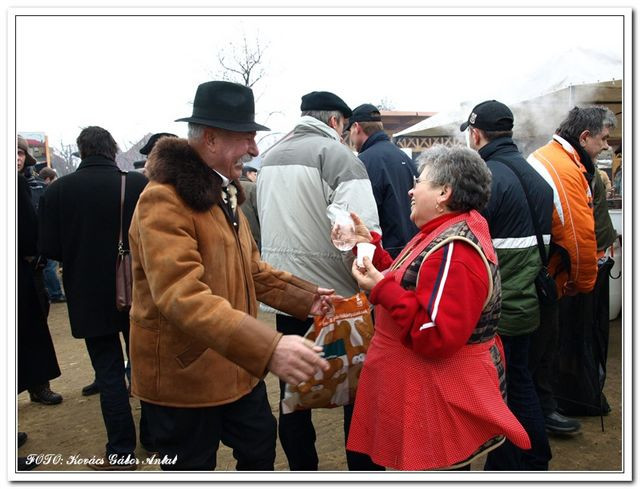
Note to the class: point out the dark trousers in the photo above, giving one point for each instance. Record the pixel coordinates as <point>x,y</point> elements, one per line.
<point>192,435</point>
<point>296,431</point>
<point>543,356</point>
<point>523,402</point>
<point>108,363</point>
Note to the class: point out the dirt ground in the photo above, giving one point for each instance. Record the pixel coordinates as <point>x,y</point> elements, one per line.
<point>75,426</point>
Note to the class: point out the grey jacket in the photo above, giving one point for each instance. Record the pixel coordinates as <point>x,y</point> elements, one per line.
<point>299,178</point>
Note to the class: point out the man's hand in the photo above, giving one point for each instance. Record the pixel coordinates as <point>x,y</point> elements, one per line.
<point>367,276</point>
<point>322,302</point>
<point>296,360</point>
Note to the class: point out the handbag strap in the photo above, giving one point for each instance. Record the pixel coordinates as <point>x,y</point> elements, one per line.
<point>123,179</point>
<point>536,224</point>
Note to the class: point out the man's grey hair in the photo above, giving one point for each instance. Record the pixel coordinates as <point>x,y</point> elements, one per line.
<point>463,170</point>
<point>195,131</point>
<point>593,119</point>
<point>323,115</point>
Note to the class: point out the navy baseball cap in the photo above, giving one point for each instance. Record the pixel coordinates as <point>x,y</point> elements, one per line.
<point>490,115</point>
<point>364,113</point>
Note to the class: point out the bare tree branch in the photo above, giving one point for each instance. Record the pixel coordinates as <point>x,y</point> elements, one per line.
<point>63,160</point>
<point>242,64</point>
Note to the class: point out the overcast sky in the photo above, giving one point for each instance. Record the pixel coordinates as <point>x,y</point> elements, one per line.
<point>137,74</point>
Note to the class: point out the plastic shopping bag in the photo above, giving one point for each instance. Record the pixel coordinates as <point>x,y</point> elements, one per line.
<point>344,337</point>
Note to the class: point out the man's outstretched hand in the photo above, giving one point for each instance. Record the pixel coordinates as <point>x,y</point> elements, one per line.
<point>296,359</point>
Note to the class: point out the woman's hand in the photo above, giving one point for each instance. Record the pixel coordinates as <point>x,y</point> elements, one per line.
<point>367,276</point>
<point>362,233</point>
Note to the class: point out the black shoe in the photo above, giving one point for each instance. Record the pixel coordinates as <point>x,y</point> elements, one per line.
<point>44,395</point>
<point>22,438</point>
<point>91,389</point>
<point>558,424</point>
<point>58,300</point>
<point>24,464</point>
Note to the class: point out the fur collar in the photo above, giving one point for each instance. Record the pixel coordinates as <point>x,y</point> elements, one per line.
<point>174,162</point>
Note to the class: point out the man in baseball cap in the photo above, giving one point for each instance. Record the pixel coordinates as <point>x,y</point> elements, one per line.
<point>392,173</point>
<point>489,130</point>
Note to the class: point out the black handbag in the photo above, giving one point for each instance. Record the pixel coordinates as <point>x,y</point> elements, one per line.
<point>545,283</point>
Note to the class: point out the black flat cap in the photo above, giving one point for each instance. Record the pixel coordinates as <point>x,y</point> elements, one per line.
<point>324,101</point>
<point>146,149</point>
<point>490,115</point>
<point>364,113</point>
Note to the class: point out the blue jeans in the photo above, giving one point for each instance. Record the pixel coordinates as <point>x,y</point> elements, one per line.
<point>523,402</point>
<point>108,363</point>
<point>51,282</point>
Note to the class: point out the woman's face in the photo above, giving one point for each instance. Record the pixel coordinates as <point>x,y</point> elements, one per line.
<point>424,198</point>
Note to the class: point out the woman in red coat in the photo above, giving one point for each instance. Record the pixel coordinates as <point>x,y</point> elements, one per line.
<point>432,390</point>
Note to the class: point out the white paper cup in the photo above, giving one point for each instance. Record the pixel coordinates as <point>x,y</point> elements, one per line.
<point>364,249</point>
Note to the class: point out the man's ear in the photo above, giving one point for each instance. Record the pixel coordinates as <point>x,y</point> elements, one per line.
<point>475,135</point>
<point>209,138</point>
<point>582,139</point>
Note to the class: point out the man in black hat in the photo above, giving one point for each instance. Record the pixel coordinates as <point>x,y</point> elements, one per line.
<point>489,130</point>
<point>392,173</point>
<point>198,352</point>
<point>301,177</point>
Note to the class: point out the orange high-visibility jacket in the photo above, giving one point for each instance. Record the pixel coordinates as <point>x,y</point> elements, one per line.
<point>573,225</point>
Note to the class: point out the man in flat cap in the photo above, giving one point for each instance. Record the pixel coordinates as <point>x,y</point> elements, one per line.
<point>300,178</point>
<point>514,183</point>
<point>392,174</point>
<point>199,355</point>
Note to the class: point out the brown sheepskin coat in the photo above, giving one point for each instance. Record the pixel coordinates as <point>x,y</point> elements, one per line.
<point>194,337</point>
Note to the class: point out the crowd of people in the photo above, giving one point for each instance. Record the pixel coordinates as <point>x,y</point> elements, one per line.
<point>480,254</point>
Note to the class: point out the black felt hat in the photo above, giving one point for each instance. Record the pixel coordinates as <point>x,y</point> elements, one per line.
<point>146,149</point>
<point>324,101</point>
<point>364,113</point>
<point>225,105</point>
<point>490,115</point>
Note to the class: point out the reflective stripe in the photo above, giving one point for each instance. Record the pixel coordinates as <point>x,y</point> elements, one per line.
<point>525,242</point>
<point>544,172</point>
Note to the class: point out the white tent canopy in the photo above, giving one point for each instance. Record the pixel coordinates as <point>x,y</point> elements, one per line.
<point>575,67</point>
